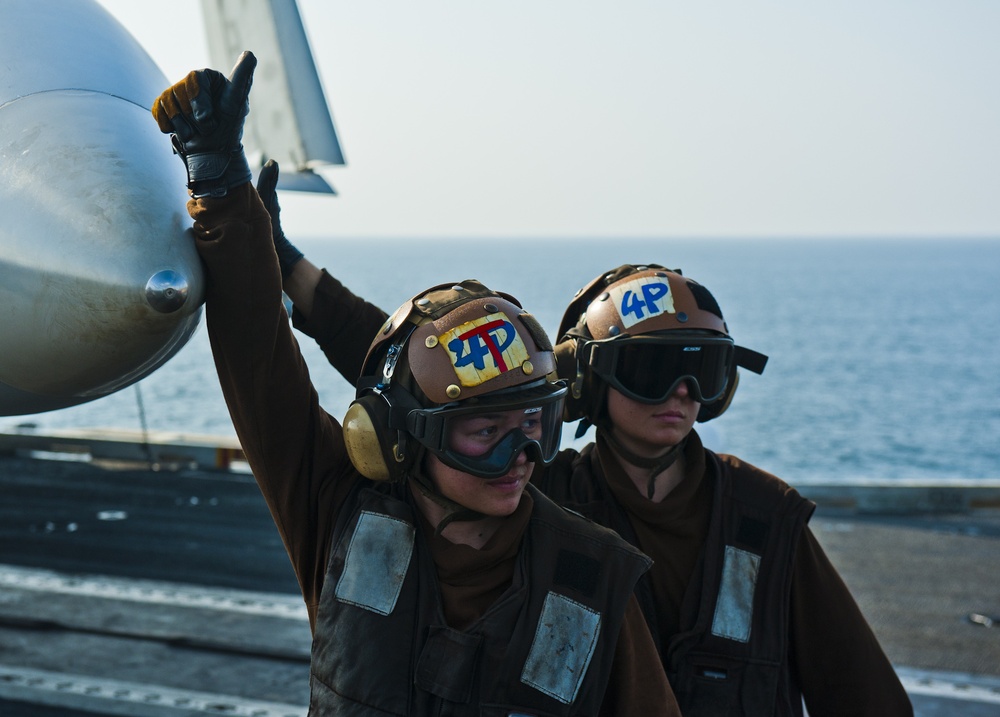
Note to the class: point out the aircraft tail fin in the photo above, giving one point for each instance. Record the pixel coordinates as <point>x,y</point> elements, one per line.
<point>289,120</point>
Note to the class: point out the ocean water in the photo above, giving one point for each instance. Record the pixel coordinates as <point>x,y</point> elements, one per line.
<point>884,354</point>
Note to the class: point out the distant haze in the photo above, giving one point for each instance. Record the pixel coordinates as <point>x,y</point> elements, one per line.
<point>642,118</point>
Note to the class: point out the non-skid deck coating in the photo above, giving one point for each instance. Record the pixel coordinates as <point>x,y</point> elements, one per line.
<point>126,591</point>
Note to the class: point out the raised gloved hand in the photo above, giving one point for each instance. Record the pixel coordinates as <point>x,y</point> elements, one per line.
<point>288,255</point>
<point>204,115</point>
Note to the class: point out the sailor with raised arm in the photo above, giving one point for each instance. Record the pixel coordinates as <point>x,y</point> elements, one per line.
<point>437,580</point>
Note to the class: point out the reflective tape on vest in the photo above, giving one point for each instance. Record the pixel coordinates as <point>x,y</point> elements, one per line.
<point>734,606</point>
<point>564,644</point>
<point>376,563</point>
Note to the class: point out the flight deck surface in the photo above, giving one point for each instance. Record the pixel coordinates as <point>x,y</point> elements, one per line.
<point>131,592</point>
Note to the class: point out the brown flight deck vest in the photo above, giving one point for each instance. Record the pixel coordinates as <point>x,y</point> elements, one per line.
<point>730,656</point>
<point>545,647</point>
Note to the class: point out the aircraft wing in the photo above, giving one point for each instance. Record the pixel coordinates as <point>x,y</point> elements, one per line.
<point>289,120</point>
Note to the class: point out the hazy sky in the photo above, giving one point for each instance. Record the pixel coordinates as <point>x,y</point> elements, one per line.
<point>643,118</point>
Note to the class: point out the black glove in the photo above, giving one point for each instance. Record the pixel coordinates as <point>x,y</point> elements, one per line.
<point>288,255</point>
<point>204,115</point>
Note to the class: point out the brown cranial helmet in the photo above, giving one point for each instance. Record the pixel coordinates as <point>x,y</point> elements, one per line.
<point>643,329</point>
<point>454,353</point>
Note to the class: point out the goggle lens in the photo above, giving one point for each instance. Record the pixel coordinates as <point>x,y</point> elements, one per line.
<point>486,440</point>
<point>649,371</point>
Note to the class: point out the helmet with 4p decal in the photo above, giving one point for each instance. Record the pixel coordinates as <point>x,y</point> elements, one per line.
<point>643,330</point>
<point>460,371</point>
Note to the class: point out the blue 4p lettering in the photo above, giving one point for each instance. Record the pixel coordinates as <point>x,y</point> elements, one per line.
<point>642,298</point>
<point>484,348</point>
<point>491,338</point>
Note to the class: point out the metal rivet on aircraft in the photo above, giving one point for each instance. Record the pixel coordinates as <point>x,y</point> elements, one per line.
<point>166,291</point>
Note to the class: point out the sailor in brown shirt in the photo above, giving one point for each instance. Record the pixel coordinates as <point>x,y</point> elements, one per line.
<point>437,580</point>
<point>749,615</point>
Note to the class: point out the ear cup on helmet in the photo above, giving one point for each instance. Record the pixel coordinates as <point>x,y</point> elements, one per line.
<point>371,448</point>
<point>566,366</point>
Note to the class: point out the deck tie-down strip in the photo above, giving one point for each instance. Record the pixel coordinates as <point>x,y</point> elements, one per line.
<point>116,697</point>
<point>154,592</point>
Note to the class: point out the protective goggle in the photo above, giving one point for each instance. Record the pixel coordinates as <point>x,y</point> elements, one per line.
<point>484,436</point>
<point>649,369</point>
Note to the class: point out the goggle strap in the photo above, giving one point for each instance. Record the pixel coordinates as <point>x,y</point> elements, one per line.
<point>750,360</point>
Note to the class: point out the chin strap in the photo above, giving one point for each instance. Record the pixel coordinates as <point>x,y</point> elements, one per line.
<point>453,511</point>
<point>655,466</point>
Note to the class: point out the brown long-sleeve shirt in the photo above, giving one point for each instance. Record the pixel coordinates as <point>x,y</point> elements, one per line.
<point>297,451</point>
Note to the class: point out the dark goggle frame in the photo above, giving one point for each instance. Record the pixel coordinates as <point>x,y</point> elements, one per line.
<point>430,426</point>
<point>649,368</point>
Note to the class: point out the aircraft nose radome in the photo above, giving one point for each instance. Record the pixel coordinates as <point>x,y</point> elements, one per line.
<point>100,282</point>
